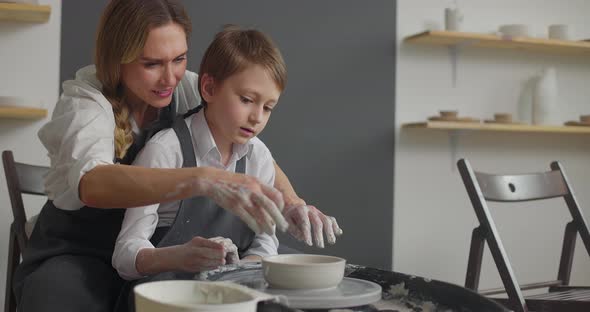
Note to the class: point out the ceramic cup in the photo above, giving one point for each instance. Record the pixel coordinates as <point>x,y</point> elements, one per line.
<point>515,30</point>
<point>453,19</point>
<point>560,32</point>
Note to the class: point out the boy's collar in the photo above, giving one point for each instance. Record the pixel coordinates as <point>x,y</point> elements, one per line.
<point>204,142</point>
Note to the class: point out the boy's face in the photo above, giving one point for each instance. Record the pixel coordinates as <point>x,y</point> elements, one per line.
<point>239,107</point>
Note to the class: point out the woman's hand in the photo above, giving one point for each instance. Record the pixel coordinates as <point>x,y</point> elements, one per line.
<point>306,221</point>
<point>258,205</point>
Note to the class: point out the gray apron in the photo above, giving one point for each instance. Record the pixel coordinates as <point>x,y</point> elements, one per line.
<point>67,266</point>
<point>197,216</point>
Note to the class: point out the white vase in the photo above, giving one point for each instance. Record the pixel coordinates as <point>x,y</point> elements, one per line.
<point>545,99</point>
<point>525,100</point>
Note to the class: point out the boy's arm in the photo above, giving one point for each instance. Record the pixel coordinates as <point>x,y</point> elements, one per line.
<point>140,223</point>
<point>138,227</point>
<point>263,245</point>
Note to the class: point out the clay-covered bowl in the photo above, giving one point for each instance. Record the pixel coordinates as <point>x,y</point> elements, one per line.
<point>303,271</point>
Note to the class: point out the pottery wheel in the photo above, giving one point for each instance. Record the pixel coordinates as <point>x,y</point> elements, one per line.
<point>349,293</point>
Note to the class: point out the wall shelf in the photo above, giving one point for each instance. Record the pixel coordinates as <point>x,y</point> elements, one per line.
<point>27,13</point>
<point>451,38</point>
<point>22,113</point>
<point>474,126</point>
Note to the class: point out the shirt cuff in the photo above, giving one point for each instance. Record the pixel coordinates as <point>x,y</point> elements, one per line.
<point>263,246</point>
<point>124,258</point>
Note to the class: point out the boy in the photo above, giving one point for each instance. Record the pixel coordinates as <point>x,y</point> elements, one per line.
<point>241,77</point>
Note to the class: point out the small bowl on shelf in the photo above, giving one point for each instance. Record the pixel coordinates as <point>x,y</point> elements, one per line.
<point>515,30</point>
<point>303,271</point>
<point>503,117</point>
<point>449,114</point>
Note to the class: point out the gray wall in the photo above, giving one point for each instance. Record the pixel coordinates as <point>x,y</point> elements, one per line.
<point>333,130</point>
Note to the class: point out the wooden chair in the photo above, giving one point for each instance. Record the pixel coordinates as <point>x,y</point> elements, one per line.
<point>20,179</point>
<point>482,187</point>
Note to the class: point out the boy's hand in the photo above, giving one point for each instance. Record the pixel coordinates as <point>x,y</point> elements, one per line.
<point>306,219</point>
<point>231,250</point>
<point>198,254</point>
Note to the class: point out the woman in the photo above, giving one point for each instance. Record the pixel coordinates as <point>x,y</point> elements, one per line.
<point>98,126</point>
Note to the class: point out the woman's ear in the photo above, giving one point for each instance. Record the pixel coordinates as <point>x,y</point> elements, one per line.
<point>207,87</point>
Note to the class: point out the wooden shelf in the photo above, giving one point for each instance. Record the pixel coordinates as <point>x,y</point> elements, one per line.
<point>22,113</point>
<point>450,38</point>
<point>28,13</point>
<point>474,126</point>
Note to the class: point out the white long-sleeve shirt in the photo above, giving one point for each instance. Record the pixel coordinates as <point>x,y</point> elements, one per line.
<point>80,135</point>
<point>163,151</point>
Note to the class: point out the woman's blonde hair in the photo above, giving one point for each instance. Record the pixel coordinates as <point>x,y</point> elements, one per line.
<point>233,49</point>
<point>121,36</point>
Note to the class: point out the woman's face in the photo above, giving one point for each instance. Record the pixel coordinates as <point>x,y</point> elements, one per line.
<point>151,78</point>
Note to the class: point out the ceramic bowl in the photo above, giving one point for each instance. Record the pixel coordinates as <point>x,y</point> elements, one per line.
<point>188,295</point>
<point>503,117</point>
<point>515,30</point>
<point>303,271</point>
<point>449,113</point>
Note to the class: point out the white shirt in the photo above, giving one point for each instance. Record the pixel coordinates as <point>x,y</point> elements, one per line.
<point>80,135</point>
<point>163,151</point>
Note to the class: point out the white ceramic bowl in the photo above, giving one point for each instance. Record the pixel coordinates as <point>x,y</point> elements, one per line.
<point>193,296</point>
<point>515,30</point>
<point>302,271</point>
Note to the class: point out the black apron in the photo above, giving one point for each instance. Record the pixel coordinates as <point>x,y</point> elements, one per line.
<point>197,216</point>
<point>67,263</point>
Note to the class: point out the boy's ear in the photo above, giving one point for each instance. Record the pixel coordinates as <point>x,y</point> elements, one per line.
<point>207,87</point>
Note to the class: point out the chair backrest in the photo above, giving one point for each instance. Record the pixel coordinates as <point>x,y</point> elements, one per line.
<point>482,187</point>
<point>22,179</point>
<point>522,187</point>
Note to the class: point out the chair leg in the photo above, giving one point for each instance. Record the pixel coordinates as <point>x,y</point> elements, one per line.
<point>567,253</point>
<point>574,209</point>
<point>475,259</point>
<point>13,261</point>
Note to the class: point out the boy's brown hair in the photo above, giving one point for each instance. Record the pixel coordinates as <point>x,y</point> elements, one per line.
<point>233,49</point>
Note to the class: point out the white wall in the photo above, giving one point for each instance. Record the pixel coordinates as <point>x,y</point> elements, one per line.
<point>29,67</point>
<point>433,217</point>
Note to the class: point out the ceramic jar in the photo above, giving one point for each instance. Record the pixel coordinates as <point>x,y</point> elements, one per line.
<point>545,99</point>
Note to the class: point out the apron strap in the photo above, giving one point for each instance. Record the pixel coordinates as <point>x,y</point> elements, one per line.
<point>186,144</point>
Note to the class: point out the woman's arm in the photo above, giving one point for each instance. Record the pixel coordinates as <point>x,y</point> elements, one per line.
<point>305,221</point>
<point>123,186</point>
<point>283,184</point>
